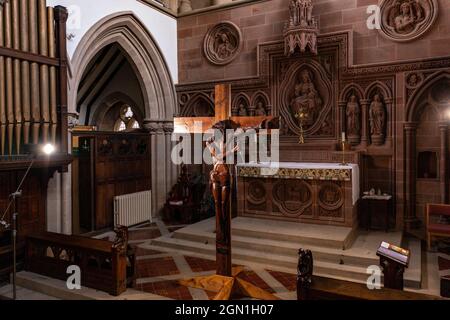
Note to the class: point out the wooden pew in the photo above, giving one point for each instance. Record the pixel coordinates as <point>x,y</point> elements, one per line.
<point>310,287</point>
<point>106,266</point>
<point>332,289</point>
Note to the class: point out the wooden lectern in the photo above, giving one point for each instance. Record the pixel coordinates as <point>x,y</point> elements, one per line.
<point>393,261</point>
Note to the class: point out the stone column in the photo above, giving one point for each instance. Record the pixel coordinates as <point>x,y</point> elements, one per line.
<point>390,122</point>
<point>185,6</point>
<point>443,128</point>
<point>364,120</point>
<point>411,220</point>
<point>162,167</point>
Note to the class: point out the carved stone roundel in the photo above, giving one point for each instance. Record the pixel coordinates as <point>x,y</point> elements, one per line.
<point>292,197</point>
<point>256,192</point>
<point>406,20</point>
<point>222,43</point>
<point>330,196</point>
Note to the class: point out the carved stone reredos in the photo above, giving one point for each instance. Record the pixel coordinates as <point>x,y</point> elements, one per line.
<point>406,20</point>
<point>305,88</point>
<point>301,30</point>
<point>222,43</point>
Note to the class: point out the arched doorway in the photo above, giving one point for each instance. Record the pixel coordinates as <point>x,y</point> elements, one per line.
<point>427,148</point>
<point>122,35</point>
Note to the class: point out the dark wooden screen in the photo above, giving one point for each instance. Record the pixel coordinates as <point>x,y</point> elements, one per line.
<point>108,165</point>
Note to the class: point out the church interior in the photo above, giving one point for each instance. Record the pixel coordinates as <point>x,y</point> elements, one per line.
<point>352,97</point>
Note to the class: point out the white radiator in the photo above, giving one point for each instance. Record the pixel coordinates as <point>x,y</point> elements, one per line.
<point>132,209</point>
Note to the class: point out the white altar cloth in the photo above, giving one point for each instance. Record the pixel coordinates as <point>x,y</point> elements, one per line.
<point>273,169</point>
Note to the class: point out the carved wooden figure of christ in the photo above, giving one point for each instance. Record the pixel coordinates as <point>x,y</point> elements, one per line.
<point>226,281</point>
<point>220,183</point>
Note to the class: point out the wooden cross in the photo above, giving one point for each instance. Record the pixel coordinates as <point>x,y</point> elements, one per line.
<point>226,280</point>
<point>222,112</point>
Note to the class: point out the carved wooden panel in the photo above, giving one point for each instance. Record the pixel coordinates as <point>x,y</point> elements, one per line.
<point>116,164</point>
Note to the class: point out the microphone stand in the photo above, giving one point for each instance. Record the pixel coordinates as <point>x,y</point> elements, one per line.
<point>13,197</point>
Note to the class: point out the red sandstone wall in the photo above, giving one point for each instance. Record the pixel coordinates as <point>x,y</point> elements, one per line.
<point>264,21</point>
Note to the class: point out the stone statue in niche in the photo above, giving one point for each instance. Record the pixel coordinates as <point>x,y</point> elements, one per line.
<point>260,109</point>
<point>306,98</point>
<point>242,110</point>
<point>377,117</point>
<point>353,113</point>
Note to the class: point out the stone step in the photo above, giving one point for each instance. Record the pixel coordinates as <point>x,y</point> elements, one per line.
<point>308,234</point>
<point>58,289</point>
<point>275,260</point>
<point>362,258</point>
<point>267,258</point>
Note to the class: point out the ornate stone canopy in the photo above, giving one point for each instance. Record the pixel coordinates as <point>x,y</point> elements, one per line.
<point>301,31</point>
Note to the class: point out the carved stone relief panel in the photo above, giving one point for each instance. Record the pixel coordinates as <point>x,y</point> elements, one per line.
<point>331,197</point>
<point>306,89</point>
<point>406,20</point>
<point>222,43</point>
<point>293,197</point>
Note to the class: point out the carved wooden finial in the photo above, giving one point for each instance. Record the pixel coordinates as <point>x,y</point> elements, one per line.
<point>304,273</point>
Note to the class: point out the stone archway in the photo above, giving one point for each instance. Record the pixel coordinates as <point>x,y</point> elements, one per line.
<point>425,113</point>
<point>150,67</point>
<point>143,54</point>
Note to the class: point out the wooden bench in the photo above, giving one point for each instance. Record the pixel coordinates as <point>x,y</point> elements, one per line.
<point>106,266</point>
<point>434,228</point>
<point>310,287</point>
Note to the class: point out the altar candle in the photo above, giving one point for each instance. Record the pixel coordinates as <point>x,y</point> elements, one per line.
<point>343,136</point>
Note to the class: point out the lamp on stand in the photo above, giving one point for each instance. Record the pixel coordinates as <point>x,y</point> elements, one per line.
<point>47,150</point>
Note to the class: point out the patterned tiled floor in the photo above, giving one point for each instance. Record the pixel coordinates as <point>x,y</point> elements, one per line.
<point>158,272</point>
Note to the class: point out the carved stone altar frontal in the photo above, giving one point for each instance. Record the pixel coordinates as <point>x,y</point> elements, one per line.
<point>222,43</point>
<point>295,200</point>
<point>406,20</point>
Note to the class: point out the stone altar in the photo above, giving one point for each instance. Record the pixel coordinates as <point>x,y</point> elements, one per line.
<point>318,193</point>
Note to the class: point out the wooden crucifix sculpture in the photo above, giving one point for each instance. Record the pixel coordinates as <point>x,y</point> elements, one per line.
<point>226,281</point>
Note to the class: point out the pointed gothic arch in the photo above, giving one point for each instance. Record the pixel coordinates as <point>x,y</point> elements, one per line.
<point>144,55</point>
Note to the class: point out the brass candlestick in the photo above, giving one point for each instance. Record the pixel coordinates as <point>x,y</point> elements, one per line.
<point>343,163</point>
<point>301,115</point>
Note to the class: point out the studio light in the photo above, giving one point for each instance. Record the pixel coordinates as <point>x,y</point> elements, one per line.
<point>48,149</point>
